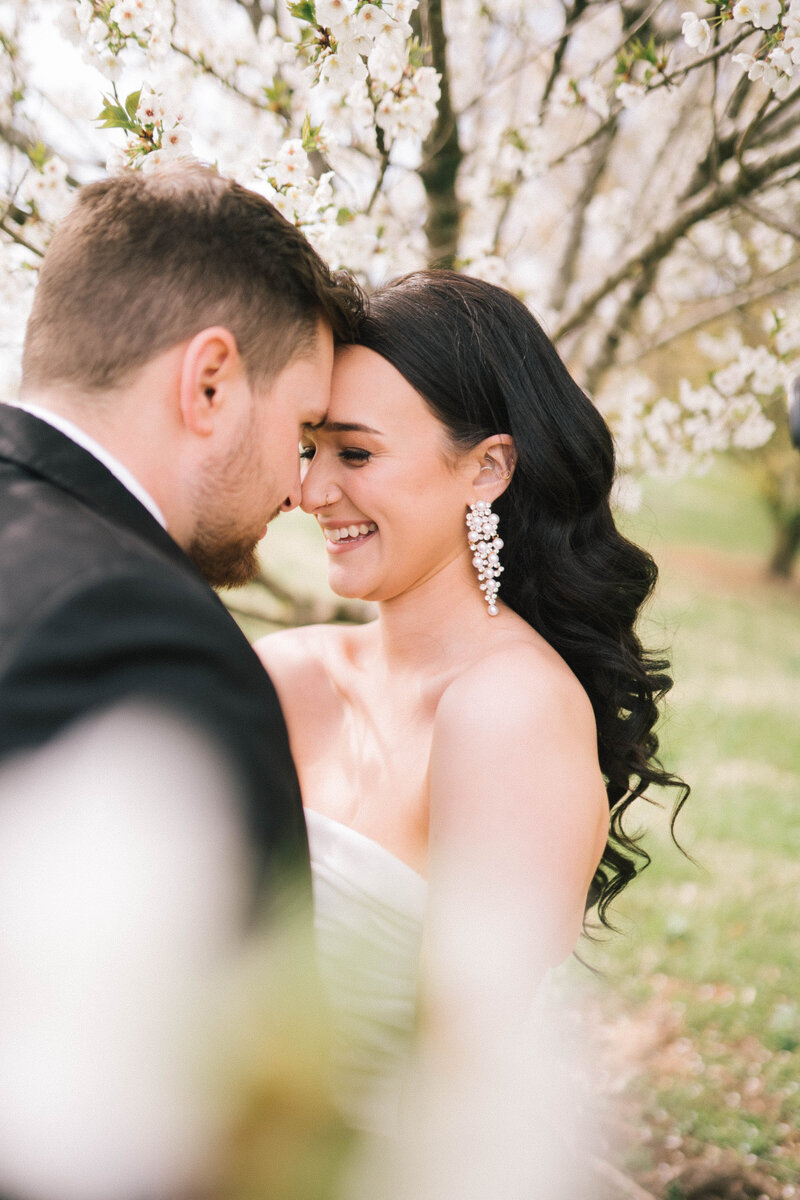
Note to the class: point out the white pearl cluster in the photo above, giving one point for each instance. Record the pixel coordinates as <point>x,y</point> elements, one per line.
<point>486,546</point>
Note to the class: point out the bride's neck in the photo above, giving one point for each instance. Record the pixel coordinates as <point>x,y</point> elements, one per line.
<point>434,625</point>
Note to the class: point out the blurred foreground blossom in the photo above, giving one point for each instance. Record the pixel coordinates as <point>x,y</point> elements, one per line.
<point>156,1038</point>
<point>124,882</point>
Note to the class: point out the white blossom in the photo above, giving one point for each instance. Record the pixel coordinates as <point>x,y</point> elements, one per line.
<point>47,190</point>
<point>754,67</point>
<point>764,14</point>
<point>696,32</point>
<point>593,96</point>
<point>150,109</point>
<point>630,94</point>
<point>754,430</point>
<point>563,95</point>
<point>132,17</point>
<point>387,59</point>
<point>291,166</point>
<point>331,14</point>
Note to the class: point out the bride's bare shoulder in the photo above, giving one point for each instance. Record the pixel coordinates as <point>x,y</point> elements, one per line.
<point>523,683</point>
<point>298,655</point>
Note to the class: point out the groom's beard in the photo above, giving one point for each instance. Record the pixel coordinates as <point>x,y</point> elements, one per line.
<point>225,561</point>
<point>222,546</point>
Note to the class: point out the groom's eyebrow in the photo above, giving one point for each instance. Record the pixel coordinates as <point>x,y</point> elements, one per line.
<point>349,427</point>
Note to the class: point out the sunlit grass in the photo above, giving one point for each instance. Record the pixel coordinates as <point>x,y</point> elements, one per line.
<point>710,950</point>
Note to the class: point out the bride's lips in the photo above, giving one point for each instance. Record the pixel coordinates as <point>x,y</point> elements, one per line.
<point>339,538</point>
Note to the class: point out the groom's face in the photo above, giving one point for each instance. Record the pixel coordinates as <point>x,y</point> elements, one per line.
<point>257,475</point>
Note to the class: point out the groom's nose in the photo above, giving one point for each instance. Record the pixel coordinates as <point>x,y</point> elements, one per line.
<point>292,500</point>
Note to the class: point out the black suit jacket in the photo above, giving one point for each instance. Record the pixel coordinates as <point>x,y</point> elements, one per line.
<point>98,605</point>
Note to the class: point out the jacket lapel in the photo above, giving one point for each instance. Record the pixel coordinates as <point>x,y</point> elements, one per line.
<point>44,451</point>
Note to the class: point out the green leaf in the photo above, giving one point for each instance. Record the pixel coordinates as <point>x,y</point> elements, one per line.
<point>344,216</point>
<point>304,10</point>
<point>38,155</point>
<point>309,134</point>
<point>132,103</point>
<point>278,96</point>
<point>114,116</point>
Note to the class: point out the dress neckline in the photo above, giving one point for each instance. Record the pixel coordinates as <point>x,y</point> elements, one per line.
<point>364,864</point>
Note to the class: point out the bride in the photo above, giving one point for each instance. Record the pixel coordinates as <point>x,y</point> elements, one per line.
<point>467,757</point>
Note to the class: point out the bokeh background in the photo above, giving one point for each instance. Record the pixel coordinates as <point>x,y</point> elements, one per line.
<point>632,171</point>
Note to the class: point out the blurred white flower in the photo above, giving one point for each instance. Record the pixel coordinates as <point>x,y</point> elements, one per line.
<point>696,32</point>
<point>626,494</point>
<point>332,13</point>
<point>781,60</point>
<point>761,13</point>
<point>116,160</point>
<point>342,68</point>
<point>367,23</point>
<point>630,94</point>
<point>755,430</point>
<point>593,96</point>
<point>47,190</point>
<point>749,63</point>
<point>388,59</point>
<point>492,268</point>
<point>150,110</point>
<point>563,96</point>
<point>176,143</point>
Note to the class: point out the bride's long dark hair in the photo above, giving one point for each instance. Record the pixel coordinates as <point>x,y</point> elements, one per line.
<point>484,366</point>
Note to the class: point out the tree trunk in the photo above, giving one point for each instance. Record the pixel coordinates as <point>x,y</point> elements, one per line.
<point>786,544</point>
<point>442,153</point>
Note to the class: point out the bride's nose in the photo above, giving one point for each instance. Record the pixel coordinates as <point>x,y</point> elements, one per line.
<point>317,491</point>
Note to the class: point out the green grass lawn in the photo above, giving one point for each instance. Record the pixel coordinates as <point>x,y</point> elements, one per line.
<point>699,998</point>
<point>704,981</point>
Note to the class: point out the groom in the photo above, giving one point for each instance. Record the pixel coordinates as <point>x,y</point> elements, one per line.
<point>181,339</point>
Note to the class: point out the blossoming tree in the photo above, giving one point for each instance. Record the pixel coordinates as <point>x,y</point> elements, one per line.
<point>632,169</point>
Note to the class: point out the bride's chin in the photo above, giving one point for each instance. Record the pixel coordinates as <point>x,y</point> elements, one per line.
<point>347,591</point>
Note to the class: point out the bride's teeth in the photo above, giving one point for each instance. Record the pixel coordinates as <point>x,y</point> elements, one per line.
<point>350,531</point>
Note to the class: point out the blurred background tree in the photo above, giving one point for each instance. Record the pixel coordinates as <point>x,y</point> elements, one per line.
<point>631,170</point>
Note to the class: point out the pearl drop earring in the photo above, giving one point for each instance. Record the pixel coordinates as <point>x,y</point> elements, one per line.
<point>485,545</point>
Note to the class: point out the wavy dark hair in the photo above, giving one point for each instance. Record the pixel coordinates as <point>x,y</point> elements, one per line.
<point>484,366</point>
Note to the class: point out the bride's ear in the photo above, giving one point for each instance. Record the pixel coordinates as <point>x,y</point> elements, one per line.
<point>496,461</point>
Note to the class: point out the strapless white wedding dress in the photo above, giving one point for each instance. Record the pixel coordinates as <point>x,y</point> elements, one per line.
<point>368,912</point>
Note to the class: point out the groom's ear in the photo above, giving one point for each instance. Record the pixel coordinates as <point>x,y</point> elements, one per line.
<point>496,461</point>
<point>211,366</point>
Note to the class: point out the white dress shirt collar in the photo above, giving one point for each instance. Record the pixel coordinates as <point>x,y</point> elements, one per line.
<point>88,443</point>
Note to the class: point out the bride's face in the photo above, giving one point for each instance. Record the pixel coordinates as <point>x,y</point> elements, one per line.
<point>381,478</point>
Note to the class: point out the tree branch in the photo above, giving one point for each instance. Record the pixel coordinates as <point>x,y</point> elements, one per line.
<point>605,355</point>
<point>564,274</point>
<point>19,239</point>
<point>206,69</point>
<point>696,208</point>
<point>774,284</point>
<point>770,219</point>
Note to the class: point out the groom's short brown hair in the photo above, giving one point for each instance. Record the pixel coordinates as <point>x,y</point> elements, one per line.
<point>144,261</point>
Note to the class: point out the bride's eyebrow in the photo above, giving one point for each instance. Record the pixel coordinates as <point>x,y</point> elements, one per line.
<point>349,427</point>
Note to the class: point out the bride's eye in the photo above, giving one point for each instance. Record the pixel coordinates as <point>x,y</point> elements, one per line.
<point>355,456</point>
<point>307,453</point>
